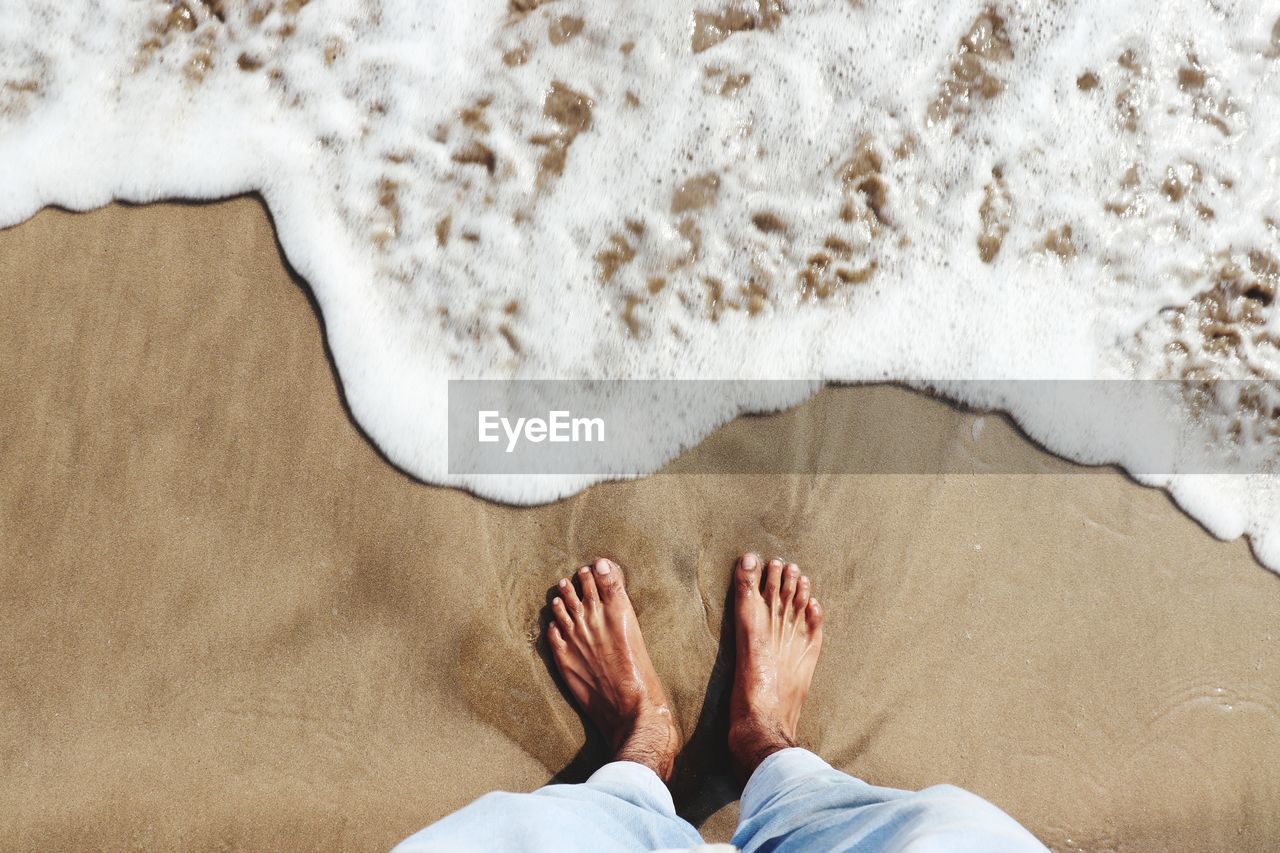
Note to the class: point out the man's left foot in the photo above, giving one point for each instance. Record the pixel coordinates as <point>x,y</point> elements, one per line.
<point>599,650</point>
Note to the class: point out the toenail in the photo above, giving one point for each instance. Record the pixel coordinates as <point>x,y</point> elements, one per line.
<point>748,561</point>
<point>602,567</point>
<point>563,583</point>
<point>585,570</point>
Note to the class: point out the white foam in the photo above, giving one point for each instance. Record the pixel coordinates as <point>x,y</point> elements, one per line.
<point>1150,129</point>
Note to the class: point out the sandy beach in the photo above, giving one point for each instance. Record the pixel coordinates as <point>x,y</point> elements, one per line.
<point>230,623</point>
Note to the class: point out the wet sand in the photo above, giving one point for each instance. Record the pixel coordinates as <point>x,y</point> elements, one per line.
<point>230,623</point>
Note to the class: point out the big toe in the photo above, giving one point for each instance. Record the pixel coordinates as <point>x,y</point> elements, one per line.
<point>608,577</point>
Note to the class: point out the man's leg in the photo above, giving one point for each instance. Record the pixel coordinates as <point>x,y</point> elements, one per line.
<point>625,805</point>
<point>795,800</point>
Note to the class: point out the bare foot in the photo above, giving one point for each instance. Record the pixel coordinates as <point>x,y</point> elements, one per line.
<point>779,636</point>
<point>598,647</point>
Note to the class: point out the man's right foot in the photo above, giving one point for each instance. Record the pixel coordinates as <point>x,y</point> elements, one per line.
<point>600,651</point>
<point>779,635</point>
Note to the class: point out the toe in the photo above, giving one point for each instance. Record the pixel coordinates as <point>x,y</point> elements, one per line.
<point>590,597</point>
<point>790,580</point>
<point>801,601</point>
<point>608,579</point>
<point>747,576</point>
<point>813,616</point>
<point>562,616</point>
<point>773,582</point>
<point>572,602</point>
<point>556,638</point>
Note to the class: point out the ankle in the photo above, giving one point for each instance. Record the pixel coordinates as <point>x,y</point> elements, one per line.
<point>751,741</point>
<point>654,741</point>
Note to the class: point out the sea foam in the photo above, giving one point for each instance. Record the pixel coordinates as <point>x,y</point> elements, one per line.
<point>849,190</point>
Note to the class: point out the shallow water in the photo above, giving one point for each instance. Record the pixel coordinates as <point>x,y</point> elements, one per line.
<point>843,190</point>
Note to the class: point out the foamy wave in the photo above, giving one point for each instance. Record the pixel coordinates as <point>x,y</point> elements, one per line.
<point>846,190</point>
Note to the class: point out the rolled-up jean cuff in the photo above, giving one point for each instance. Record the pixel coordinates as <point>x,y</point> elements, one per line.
<point>635,783</point>
<point>778,772</point>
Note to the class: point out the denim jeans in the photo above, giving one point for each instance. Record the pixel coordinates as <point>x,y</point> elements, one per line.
<point>794,801</point>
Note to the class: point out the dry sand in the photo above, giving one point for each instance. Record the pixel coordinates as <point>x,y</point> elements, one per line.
<point>229,623</point>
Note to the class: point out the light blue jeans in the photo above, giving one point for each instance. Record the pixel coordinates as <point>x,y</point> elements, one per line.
<point>794,801</point>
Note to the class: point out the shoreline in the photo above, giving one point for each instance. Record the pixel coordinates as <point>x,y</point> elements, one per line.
<point>238,624</point>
